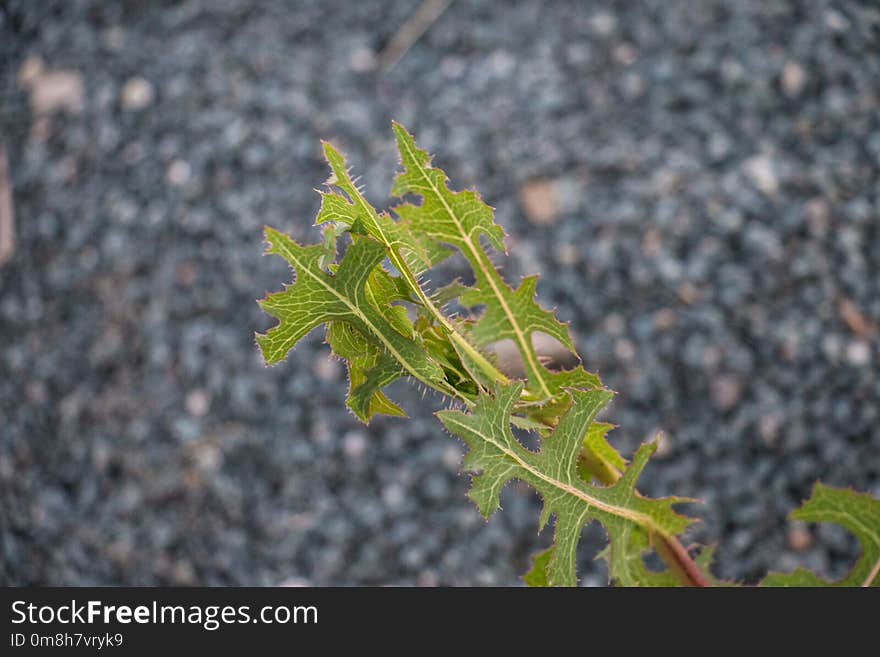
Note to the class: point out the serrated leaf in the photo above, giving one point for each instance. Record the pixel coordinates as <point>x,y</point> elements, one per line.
<point>362,305</point>
<point>369,367</point>
<point>382,290</point>
<point>498,457</point>
<point>511,314</point>
<point>632,571</point>
<point>460,219</point>
<point>406,252</point>
<point>362,358</point>
<point>318,297</point>
<point>629,564</point>
<point>858,513</point>
<point>635,573</point>
<point>449,292</point>
<point>409,251</point>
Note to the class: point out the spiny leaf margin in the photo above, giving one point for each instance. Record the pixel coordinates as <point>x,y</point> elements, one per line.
<point>497,457</point>
<point>361,304</point>
<point>858,513</point>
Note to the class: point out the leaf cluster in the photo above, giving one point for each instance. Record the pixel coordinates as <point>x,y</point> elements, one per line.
<point>386,323</point>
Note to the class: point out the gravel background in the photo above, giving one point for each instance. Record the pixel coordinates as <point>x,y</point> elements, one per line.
<point>697,181</point>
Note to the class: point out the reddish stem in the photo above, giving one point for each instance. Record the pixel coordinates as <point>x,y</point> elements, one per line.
<point>673,553</point>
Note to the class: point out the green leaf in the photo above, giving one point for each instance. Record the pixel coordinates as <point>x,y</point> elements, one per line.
<point>595,440</point>
<point>318,297</point>
<point>460,219</point>
<point>858,513</point>
<point>626,557</point>
<point>498,458</point>
<point>632,571</point>
<point>369,367</point>
<point>382,290</point>
<point>598,458</point>
<point>407,250</point>
<point>364,362</point>
<point>448,293</point>
<point>407,254</point>
<point>537,575</point>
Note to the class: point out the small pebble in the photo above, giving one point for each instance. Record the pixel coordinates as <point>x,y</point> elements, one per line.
<point>137,94</point>
<point>326,367</point>
<point>761,170</point>
<point>197,402</point>
<point>567,255</point>
<point>603,23</point>
<point>793,79</point>
<point>354,444</point>
<point>540,202</point>
<point>799,537</point>
<point>393,496</point>
<point>52,90</point>
<point>452,457</point>
<point>362,60</point>
<point>624,349</point>
<point>768,429</point>
<point>726,391</point>
<point>664,319</point>
<point>179,173</point>
<point>858,353</point>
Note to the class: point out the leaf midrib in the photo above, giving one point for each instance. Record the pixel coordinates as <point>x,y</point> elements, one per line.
<point>633,516</point>
<point>355,311</point>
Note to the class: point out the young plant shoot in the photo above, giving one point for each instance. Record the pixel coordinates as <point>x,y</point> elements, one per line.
<point>386,324</point>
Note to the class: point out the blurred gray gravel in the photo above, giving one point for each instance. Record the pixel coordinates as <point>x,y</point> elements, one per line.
<point>711,228</point>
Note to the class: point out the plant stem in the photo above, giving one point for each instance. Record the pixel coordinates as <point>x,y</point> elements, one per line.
<point>670,549</point>
<point>875,571</point>
<point>679,562</point>
<point>673,553</point>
